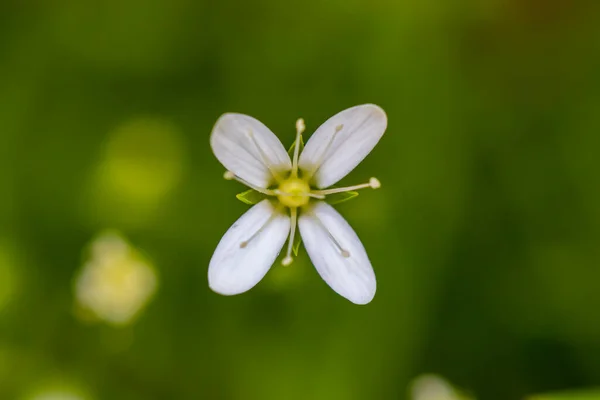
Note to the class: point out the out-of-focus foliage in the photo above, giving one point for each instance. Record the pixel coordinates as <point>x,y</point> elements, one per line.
<point>569,395</point>
<point>484,236</point>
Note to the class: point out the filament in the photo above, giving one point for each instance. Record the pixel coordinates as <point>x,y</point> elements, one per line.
<point>345,253</point>
<point>299,129</point>
<point>294,217</point>
<point>317,164</point>
<point>278,192</point>
<point>228,175</point>
<point>263,156</point>
<point>245,243</point>
<point>373,184</point>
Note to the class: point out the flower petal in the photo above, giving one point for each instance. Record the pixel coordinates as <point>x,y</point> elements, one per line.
<point>326,235</point>
<point>248,249</point>
<point>341,143</point>
<point>246,147</point>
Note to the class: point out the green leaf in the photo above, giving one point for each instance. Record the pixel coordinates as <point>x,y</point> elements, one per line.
<point>250,197</point>
<point>296,246</point>
<point>291,150</point>
<point>338,198</point>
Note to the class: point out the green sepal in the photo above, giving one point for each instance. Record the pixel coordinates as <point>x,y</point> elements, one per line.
<point>338,198</point>
<point>250,197</point>
<point>296,246</point>
<point>291,150</point>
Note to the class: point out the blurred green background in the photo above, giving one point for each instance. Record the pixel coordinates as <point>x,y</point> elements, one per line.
<point>484,236</point>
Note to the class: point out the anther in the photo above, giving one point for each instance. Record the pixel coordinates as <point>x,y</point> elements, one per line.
<point>374,183</point>
<point>339,127</point>
<point>287,261</point>
<point>243,245</point>
<point>345,253</point>
<point>228,175</point>
<point>300,127</point>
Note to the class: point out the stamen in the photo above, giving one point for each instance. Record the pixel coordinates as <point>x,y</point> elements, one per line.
<point>317,164</point>
<point>294,217</point>
<point>313,195</point>
<point>345,253</point>
<point>373,184</point>
<point>299,129</point>
<point>278,192</point>
<point>245,243</point>
<point>263,156</point>
<point>228,175</point>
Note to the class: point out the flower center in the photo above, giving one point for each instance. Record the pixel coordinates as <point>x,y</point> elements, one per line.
<point>293,192</point>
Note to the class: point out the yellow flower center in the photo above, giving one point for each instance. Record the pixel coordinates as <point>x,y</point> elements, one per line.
<point>293,192</point>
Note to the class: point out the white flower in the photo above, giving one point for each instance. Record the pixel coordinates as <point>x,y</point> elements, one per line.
<point>295,189</point>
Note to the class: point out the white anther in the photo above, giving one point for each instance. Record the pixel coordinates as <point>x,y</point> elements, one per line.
<point>300,127</point>
<point>374,183</point>
<point>229,175</point>
<point>287,261</point>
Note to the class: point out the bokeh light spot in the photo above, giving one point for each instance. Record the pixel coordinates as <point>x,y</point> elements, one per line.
<point>143,160</point>
<point>142,163</point>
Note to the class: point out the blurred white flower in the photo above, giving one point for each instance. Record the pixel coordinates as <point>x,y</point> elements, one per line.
<point>433,387</point>
<point>295,189</point>
<point>116,283</point>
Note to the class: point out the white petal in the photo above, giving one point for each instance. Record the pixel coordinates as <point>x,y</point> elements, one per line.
<point>235,268</point>
<point>351,276</point>
<point>357,130</point>
<point>246,147</point>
